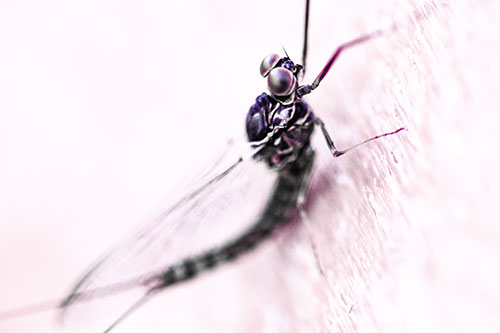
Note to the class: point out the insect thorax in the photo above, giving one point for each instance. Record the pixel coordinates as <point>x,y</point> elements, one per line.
<point>290,127</point>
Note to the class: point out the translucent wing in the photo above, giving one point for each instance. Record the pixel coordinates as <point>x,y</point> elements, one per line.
<point>225,201</point>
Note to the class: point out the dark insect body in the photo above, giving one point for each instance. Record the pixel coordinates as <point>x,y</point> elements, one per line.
<point>279,126</point>
<point>291,182</point>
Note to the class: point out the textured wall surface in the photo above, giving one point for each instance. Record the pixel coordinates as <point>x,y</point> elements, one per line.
<point>104,106</point>
<point>412,243</point>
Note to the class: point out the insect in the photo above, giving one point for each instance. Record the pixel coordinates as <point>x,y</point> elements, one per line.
<point>279,126</point>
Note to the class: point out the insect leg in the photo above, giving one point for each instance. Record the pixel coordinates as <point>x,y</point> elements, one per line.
<point>339,50</point>
<point>335,152</point>
<point>306,34</point>
<point>131,309</point>
<point>307,89</point>
<point>301,199</point>
<point>307,223</point>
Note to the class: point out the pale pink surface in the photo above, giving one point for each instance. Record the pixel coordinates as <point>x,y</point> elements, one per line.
<point>105,106</point>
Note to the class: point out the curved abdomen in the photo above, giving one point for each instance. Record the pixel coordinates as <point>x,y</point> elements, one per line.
<point>279,210</point>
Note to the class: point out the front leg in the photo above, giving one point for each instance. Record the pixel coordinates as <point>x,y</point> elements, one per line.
<point>335,152</point>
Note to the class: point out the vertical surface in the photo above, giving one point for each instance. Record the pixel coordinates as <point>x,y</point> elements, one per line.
<point>411,240</point>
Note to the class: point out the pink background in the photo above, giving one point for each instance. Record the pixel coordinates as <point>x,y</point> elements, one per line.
<point>105,106</point>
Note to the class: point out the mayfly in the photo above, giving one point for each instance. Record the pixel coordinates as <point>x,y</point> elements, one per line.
<point>279,126</point>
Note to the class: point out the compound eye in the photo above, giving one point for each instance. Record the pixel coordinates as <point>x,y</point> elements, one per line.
<point>281,82</point>
<point>268,64</point>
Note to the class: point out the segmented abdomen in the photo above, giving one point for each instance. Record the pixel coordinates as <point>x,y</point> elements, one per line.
<point>279,210</point>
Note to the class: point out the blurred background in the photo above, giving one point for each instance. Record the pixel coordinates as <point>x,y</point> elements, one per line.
<point>105,107</point>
